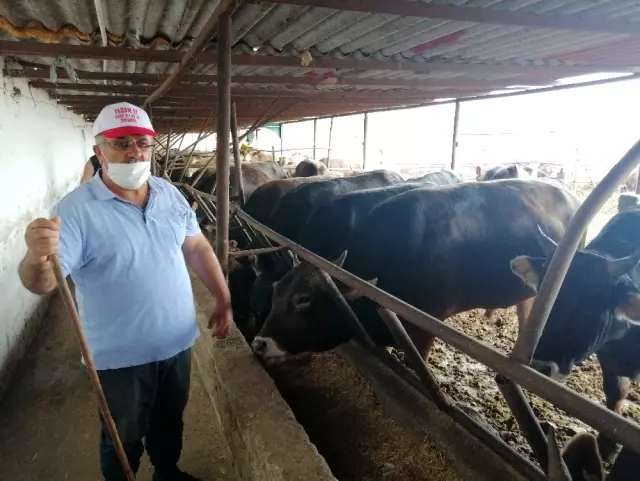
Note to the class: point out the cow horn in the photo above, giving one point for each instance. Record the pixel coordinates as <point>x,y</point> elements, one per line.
<point>546,243</point>
<point>623,265</point>
<point>340,260</point>
<point>294,258</point>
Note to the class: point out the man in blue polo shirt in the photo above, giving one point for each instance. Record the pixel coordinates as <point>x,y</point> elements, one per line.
<point>124,236</point>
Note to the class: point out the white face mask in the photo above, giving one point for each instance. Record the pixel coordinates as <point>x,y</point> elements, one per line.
<point>129,176</point>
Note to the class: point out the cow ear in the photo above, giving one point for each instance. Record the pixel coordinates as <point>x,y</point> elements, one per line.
<point>631,307</point>
<point>351,294</point>
<point>556,469</point>
<point>529,269</point>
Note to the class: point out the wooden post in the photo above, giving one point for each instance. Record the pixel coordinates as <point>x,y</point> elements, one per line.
<point>236,154</point>
<point>454,141</point>
<point>273,153</point>
<point>153,157</point>
<point>222,138</point>
<point>166,155</point>
<point>329,148</point>
<point>315,133</point>
<point>364,141</point>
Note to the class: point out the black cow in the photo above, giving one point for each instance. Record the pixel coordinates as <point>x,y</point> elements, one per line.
<point>293,209</point>
<point>597,309</point>
<point>581,456</point>
<point>265,198</point>
<point>309,168</point>
<point>440,249</point>
<point>291,214</point>
<point>443,177</point>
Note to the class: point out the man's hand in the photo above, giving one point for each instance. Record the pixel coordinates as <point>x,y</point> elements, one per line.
<point>42,239</point>
<point>221,319</point>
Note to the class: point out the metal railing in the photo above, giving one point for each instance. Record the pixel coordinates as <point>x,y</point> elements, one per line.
<point>513,371</point>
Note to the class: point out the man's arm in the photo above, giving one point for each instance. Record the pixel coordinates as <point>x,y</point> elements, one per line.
<point>37,276</point>
<point>199,254</point>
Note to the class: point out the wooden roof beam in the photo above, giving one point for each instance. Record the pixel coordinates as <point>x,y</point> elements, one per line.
<point>474,14</point>
<point>42,73</point>
<point>8,47</point>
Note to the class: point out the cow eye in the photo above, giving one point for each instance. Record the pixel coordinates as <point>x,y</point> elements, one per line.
<point>302,302</point>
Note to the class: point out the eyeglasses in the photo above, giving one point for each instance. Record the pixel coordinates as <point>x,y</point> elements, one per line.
<point>125,144</point>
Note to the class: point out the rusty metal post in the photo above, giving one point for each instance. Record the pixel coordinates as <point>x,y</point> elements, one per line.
<point>364,141</point>
<point>525,418</point>
<point>222,138</point>
<point>315,135</point>
<point>153,157</point>
<point>166,155</point>
<point>236,155</point>
<point>415,359</point>
<point>329,147</point>
<point>548,292</point>
<point>454,140</point>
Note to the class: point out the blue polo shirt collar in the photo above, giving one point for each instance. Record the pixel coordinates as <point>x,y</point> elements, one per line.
<point>101,192</point>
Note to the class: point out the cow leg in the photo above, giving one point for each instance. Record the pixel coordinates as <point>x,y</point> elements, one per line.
<point>616,389</point>
<point>522,310</point>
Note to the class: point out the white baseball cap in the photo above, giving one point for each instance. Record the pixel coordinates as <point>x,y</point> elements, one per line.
<point>122,119</point>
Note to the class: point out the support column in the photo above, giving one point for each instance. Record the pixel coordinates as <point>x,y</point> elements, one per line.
<point>223,138</point>
<point>364,141</point>
<point>315,135</point>
<point>454,141</point>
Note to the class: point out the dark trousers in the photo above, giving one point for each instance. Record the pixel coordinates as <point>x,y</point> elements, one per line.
<point>146,401</point>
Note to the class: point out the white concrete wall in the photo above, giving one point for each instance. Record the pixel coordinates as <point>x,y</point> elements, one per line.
<point>43,151</point>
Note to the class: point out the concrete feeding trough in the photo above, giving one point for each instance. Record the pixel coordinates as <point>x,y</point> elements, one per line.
<point>265,440</point>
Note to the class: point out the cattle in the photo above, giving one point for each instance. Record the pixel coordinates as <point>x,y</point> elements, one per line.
<point>629,185</point>
<point>437,248</point>
<point>254,174</point>
<point>584,462</point>
<point>513,171</point>
<point>442,177</point>
<point>242,274</point>
<point>597,309</point>
<point>309,168</point>
<point>339,163</point>
<point>264,199</point>
<point>292,211</point>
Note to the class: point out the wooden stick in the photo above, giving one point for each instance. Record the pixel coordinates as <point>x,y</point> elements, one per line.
<point>67,298</point>
<point>256,252</point>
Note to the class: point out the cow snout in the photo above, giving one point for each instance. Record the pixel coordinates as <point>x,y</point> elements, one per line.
<point>259,346</point>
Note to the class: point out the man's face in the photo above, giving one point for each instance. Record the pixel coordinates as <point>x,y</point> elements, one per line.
<point>122,150</point>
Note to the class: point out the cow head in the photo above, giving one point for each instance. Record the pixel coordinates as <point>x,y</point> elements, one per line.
<point>597,303</point>
<point>304,316</point>
<point>268,268</point>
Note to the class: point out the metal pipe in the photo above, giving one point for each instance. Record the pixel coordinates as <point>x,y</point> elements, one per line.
<point>256,252</point>
<point>315,133</point>
<point>329,149</point>
<point>357,328</point>
<point>415,359</point>
<point>222,138</point>
<point>193,147</point>
<point>454,141</point>
<point>525,418</point>
<point>166,155</point>
<point>203,169</point>
<point>607,422</point>
<point>67,299</point>
<point>364,141</point>
<point>531,332</point>
<point>236,155</point>
<point>175,157</point>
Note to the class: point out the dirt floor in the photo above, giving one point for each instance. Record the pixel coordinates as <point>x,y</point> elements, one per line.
<point>49,421</point>
<point>343,418</point>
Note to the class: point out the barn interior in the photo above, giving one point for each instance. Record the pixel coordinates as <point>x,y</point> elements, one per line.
<point>227,68</point>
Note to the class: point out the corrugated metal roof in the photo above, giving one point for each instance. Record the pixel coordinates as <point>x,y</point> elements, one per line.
<point>290,30</point>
